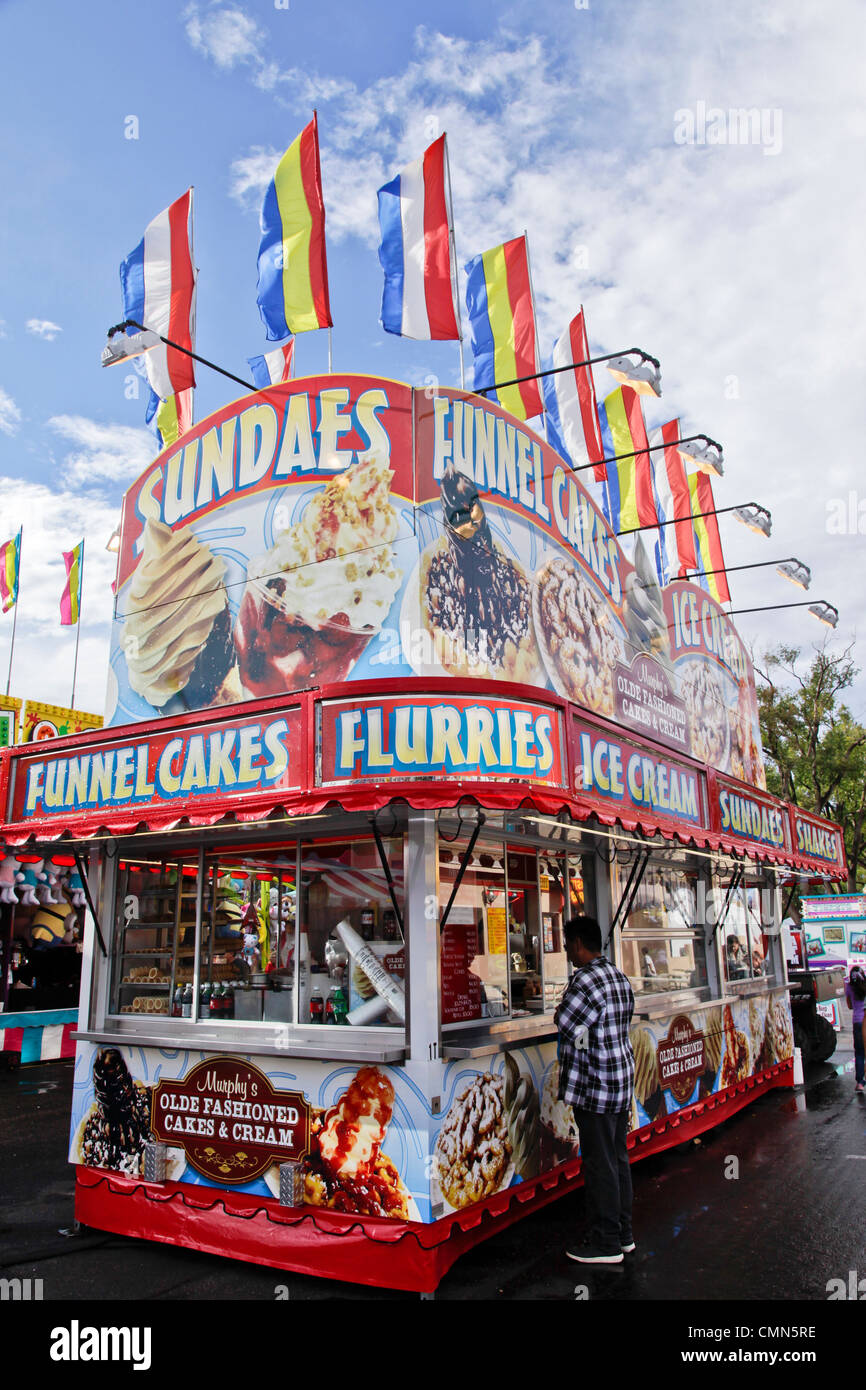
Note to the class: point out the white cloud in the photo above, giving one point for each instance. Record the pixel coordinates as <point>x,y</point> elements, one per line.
<point>227,36</point>
<point>54,520</point>
<point>10,415</point>
<point>737,268</point>
<point>102,452</point>
<point>43,328</point>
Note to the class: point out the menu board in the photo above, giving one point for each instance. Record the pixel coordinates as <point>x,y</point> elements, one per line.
<point>497,930</point>
<point>461,990</point>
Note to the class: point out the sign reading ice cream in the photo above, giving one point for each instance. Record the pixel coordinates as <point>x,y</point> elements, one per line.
<point>623,773</point>
<point>347,528</point>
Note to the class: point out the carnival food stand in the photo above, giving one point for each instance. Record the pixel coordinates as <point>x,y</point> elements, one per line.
<point>387,704</point>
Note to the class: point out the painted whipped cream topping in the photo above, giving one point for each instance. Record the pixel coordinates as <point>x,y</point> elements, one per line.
<point>177,607</point>
<point>337,559</point>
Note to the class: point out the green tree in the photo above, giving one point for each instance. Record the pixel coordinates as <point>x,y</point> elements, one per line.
<point>814,748</point>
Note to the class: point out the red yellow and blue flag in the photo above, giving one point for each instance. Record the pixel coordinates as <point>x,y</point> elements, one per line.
<point>708,542</point>
<point>629,493</point>
<point>10,563</point>
<point>293,265</point>
<point>171,418</point>
<point>502,323</point>
<point>70,599</point>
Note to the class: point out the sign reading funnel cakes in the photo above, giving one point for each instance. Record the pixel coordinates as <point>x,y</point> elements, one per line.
<point>473,1151</point>
<point>475,600</point>
<point>577,635</point>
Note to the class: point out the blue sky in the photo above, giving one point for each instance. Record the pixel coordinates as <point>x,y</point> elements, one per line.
<point>738,265</point>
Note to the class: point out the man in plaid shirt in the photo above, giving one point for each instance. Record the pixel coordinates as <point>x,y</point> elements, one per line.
<point>596,1075</point>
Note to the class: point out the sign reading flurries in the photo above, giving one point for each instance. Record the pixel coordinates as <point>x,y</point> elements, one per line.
<point>428,736</point>
<point>238,756</point>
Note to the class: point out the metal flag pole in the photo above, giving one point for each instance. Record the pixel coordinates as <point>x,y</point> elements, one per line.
<point>535,331</point>
<point>455,278</point>
<point>78,624</point>
<point>330,355</point>
<point>15,614</point>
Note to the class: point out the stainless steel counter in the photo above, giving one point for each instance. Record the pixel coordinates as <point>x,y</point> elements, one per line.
<point>517,1032</point>
<point>250,1043</point>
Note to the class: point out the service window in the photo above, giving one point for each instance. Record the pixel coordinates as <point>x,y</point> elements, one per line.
<point>349,947</point>
<point>763,946</point>
<point>663,950</point>
<point>474,940</point>
<point>749,951</point>
<point>154,934</point>
<point>248,916</point>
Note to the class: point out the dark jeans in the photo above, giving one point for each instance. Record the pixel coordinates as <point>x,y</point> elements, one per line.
<point>606,1176</point>
<point>859,1058</point>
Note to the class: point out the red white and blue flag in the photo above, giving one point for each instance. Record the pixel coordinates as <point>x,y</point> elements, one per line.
<point>273,367</point>
<point>418,300</point>
<point>677,549</point>
<point>158,284</point>
<point>570,403</point>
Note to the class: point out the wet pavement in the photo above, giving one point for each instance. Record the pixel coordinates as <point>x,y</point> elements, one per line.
<point>768,1206</point>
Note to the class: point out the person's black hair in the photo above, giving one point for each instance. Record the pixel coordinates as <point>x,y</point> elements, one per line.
<point>857,981</point>
<point>585,930</point>
<point>731,939</point>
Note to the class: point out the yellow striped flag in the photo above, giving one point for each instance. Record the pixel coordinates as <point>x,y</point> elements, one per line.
<point>10,562</point>
<point>293,265</point>
<point>70,599</point>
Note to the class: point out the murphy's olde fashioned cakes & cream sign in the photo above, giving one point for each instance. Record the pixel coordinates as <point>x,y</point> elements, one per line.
<point>681,1058</point>
<point>229,1120</point>
<point>344,528</point>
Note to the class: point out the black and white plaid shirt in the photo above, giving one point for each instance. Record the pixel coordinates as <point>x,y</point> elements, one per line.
<point>596,1063</point>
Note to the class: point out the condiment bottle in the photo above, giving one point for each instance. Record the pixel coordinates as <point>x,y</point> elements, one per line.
<point>317,1005</point>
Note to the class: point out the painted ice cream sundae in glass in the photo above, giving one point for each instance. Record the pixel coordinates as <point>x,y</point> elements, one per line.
<point>314,600</point>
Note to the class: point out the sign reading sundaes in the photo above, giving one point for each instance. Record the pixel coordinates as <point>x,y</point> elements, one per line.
<point>751,818</point>
<point>430,736</point>
<point>236,757</point>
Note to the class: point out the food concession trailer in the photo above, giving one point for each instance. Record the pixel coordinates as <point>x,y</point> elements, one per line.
<point>388,704</point>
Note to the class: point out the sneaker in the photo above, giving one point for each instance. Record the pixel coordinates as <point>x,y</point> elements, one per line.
<point>860,1086</point>
<point>594,1255</point>
<point>627,1246</point>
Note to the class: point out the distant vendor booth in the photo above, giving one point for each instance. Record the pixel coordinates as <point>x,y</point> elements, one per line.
<point>388,704</point>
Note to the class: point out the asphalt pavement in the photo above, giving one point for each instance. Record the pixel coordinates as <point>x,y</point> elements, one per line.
<point>769,1206</point>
